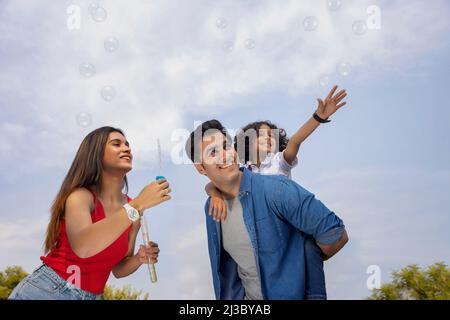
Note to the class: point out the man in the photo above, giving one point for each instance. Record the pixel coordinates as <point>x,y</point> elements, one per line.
<point>258,252</point>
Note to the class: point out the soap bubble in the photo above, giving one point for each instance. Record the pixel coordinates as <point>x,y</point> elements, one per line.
<point>84,119</point>
<point>334,5</point>
<point>228,46</point>
<point>249,44</point>
<point>92,7</point>
<point>111,44</point>
<point>87,70</point>
<point>108,93</point>
<point>324,80</point>
<point>344,68</point>
<point>359,27</point>
<point>99,14</point>
<point>310,23</point>
<point>221,23</point>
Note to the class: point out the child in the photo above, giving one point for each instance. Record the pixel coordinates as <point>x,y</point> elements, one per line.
<point>270,152</point>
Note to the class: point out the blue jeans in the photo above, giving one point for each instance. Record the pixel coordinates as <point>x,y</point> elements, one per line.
<point>46,284</point>
<point>315,276</point>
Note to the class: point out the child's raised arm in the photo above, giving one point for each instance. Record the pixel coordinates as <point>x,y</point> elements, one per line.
<point>217,207</point>
<point>324,110</point>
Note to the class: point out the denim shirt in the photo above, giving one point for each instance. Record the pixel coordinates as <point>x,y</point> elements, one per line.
<point>277,214</point>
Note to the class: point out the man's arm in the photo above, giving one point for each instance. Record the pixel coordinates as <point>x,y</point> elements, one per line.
<point>330,250</point>
<point>309,215</point>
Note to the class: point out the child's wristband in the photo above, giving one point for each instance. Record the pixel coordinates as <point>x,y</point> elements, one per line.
<point>319,119</point>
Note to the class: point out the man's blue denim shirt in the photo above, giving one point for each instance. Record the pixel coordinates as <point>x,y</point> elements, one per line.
<point>277,213</point>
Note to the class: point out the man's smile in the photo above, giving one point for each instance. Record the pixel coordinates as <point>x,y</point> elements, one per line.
<point>225,166</point>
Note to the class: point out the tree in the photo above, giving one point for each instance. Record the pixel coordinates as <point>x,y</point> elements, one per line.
<point>9,279</point>
<point>413,283</point>
<point>124,293</point>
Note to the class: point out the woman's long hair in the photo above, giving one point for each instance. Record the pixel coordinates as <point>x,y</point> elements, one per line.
<point>85,171</point>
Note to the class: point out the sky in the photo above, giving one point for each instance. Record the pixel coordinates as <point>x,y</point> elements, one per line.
<point>382,164</point>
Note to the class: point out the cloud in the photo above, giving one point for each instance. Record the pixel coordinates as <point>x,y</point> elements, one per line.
<point>21,240</point>
<point>171,63</point>
<point>394,217</point>
<point>191,252</point>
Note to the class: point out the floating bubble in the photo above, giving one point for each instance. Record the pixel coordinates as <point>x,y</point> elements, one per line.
<point>228,46</point>
<point>84,119</point>
<point>221,23</point>
<point>324,80</point>
<point>99,14</point>
<point>359,27</point>
<point>92,7</point>
<point>87,70</point>
<point>108,93</point>
<point>111,44</point>
<point>334,5</point>
<point>249,44</point>
<point>344,68</point>
<point>310,23</point>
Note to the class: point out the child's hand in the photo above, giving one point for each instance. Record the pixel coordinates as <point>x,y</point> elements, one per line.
<point>331,104</point>
<point>218,209</point>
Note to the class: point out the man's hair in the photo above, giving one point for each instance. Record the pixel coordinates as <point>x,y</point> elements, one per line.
<point>193,144</point>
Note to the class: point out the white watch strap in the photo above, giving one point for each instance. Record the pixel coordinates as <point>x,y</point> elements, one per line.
<point>129,209</point>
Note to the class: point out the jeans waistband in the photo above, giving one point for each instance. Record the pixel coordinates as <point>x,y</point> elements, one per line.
<point>63,283</point>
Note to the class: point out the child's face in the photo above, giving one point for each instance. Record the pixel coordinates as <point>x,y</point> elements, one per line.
<point>266,142</point>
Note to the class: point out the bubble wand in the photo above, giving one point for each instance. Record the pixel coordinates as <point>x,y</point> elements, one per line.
<point>144,225</point>
<point>151,266</point>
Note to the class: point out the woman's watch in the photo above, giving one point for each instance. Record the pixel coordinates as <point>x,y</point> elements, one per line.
<point>132,213</point>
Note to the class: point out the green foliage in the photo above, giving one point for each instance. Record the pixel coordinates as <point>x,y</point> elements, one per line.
<point>413,283</point>
<point>124,293</point>
<point>9,279</point>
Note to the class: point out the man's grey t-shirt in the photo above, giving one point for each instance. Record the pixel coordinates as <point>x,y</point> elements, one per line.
<point>236,241</point>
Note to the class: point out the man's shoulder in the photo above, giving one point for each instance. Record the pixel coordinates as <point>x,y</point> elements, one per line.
<point>269,181</point>
<point>270,186</point>
<point>277,186</point>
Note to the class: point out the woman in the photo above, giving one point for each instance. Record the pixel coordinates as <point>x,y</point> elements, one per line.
<point>93,225</point>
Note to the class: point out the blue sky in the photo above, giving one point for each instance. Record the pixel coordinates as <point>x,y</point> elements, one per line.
<point>382,164</point>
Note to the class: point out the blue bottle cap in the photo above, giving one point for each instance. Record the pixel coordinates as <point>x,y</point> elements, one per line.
<point>160,178</point>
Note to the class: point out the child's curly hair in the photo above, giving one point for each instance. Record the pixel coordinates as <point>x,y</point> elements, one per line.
<point>244,155</point>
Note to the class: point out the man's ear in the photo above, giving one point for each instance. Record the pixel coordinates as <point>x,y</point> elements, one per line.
<point>200,168</point>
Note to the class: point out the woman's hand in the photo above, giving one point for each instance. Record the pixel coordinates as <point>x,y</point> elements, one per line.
<point>151,195</point>
<point>218,209</point>
<point>331,104</point>
<point>148,252</point>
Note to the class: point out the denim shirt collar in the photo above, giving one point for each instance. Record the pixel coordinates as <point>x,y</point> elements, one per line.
<point>246,183</point>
